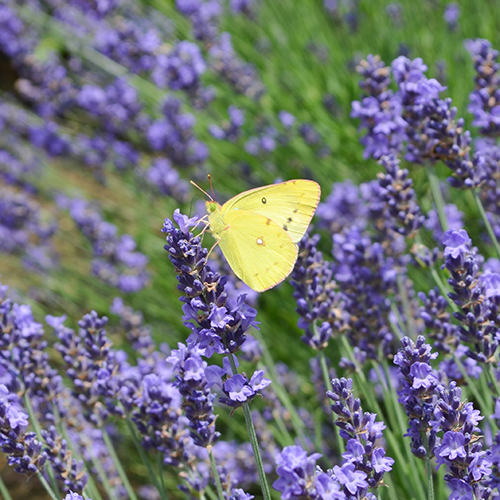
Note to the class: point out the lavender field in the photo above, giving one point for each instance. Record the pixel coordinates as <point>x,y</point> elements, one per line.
<point>135,365</point>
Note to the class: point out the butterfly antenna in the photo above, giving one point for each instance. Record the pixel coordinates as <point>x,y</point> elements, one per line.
<point>211,187</point>
<point>202,190</point>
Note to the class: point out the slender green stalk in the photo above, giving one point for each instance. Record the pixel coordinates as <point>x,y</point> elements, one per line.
<point>101,473</point>
<point>47,487</point>
<point>118,465</point>
<point>266,493</point>
<point>215,473</point>
<point>430,480</point>
<point>437,196</point>
<point>491,233</point>
<point>159,466</point>
<point>4,491</point>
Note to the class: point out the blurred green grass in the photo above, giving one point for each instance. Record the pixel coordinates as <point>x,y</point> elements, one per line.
<point>296,80</point>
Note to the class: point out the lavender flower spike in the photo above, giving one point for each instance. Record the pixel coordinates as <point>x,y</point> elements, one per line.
<point>364,462</point>
<point>215,326</point>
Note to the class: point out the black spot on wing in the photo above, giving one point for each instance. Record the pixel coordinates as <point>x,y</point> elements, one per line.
<point>264,201</point>
<point>289,220</point>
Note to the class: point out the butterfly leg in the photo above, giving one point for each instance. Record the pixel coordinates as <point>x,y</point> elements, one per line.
<point>213,246</point>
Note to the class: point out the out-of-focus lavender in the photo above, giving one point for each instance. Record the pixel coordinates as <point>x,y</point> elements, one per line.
<point>116,260</point>
<point>23,230</point>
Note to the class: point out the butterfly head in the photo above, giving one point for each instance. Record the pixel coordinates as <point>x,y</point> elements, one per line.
<point>212,206</point>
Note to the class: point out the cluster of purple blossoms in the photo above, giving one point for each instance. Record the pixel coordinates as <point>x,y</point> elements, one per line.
<point>24,452</point>
<point>417,394</point>
<point>366,277</point>
<point>130,43</point>
<point>238,389</point>
<point>460,448</point>
<point>163,177</point>
<point>240,75</point>
<point>484,100</point>
<point>25,366</point>
<point>230,130</point>
<point>24,231</point>
<point>379,112</point>
<point>214,326</point>
<point>246,7</point>
<point>414,120</point>
<point>48,138</point>
<point>96,8</point>
<point>362,433</point>
<point>263,143</point>
<point>116,261</point>
<point>477,296</point>
<point>344,206</point>
<point>116,106</point>
<point>433,409</point>
<point>300,477</point>
<point>69,472</point>
<point>16,39</point>
<point>181,69</point>
<point>173,136</point>
<point>89,362</point>
<point>204,16</point>
<point>404,215</point>
<point>316,294</point>
<point>192,382</point>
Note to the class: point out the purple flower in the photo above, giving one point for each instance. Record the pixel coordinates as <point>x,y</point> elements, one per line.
<point>296,472</point>
<point>362,432</point>
<point>456,243</point>
<point>74,496</point>
<point>240,75</point>
<point>452,15</point>
<point>451,447</point>
<point>352,479</point>
<point>286,119</point>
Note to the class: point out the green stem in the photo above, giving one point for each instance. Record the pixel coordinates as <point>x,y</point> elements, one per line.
<point>254,441</point>
<point>491,233</point>
<point>328,384</point>
<point>4,491</point>
<point>430,480</point>
<point>159,466</point>
<point>47,487</point>
<point>118,465</point>
<point>438,196</point>
<point>215,473</point>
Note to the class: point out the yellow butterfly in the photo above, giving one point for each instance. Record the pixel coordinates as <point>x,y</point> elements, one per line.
<point>258,229</point>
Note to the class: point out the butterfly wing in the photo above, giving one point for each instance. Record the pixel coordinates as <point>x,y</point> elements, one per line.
<point>258,250</point>
<point>290,204</point>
